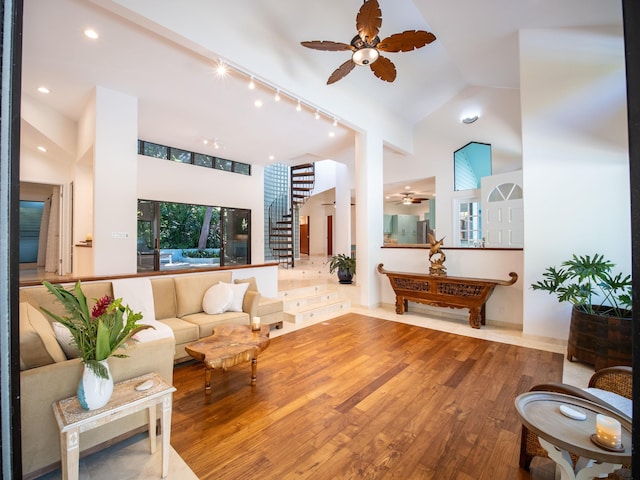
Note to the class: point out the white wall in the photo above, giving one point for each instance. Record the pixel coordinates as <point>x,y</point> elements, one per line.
<point>115,172</point>
<point>440,134</point>
<point>175,182</point>
<point>575,165</point>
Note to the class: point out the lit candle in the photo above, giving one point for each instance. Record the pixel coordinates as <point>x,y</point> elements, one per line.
<point>89,237</point>
<point>255,323</point>
<point>608,431</point>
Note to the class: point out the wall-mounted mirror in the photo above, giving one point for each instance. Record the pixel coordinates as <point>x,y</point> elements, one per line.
<point>470,164</point>
<point>409,212</point>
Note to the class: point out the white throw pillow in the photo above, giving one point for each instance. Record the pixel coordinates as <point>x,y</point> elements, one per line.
<point>217,299</point>
<point>239,290</point>
<point>65,339</point>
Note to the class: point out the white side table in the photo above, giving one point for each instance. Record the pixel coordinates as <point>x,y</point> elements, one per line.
<point>73,419</point>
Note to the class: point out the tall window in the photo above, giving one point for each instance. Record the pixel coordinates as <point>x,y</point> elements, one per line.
<point>30,219</point>
<point>179,235</point>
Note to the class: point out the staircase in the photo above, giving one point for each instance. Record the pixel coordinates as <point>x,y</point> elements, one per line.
<point>284,210</point>
<point>313,302</point>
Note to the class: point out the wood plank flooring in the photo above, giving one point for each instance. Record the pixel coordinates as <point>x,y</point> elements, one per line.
<point>358,397</point>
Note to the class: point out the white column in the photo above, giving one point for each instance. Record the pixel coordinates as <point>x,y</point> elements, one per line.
<point>369,215</point>
<point>342,219</point>
<point>115,175</point>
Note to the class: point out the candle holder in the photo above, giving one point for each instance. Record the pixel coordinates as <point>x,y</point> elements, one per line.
<point>604,446</point>
<point>608,434</point>
<point>255,324</point>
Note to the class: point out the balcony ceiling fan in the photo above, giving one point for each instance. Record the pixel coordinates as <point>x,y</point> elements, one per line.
<point>366,45</point>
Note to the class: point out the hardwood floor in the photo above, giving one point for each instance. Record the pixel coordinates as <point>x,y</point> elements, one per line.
<point>360,397</point>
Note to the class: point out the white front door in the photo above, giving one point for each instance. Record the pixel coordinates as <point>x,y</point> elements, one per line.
<point>502,207</point>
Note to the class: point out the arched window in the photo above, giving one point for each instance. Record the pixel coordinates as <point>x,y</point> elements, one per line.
<point>505,191</point>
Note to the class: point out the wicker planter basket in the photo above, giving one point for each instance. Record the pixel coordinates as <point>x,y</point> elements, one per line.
<point>602,341</point>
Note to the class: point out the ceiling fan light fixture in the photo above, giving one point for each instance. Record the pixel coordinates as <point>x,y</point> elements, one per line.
<point>365,56</point>
<point>407,201</point>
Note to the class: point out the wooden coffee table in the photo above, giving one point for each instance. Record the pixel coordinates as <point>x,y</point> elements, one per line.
<point>228,346</point>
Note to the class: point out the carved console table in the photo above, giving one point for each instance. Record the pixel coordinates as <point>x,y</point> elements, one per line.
<point>444,291</point>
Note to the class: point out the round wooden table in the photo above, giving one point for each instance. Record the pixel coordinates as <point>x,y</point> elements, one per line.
<point>228,346</point>
<point>559,434</point>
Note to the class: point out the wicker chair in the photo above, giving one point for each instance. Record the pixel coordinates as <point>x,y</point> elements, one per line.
<point>613,379</point>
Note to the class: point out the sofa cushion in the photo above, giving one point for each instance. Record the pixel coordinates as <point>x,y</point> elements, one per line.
<point>239,290</point>
<point>65,340</point>
<point>38,344</point>
<point>190,290</point>
<point>217,299</point>
<point>41,297</point>
<point>206,323</point>
<point>184,332</point>
<point>253,285</point>
<point>267,306</point>
<point>164,297</point>
<point>138,295</point>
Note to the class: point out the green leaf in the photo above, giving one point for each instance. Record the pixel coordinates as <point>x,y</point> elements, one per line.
<point>103,348</point>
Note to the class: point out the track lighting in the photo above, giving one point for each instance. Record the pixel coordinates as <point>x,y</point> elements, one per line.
<point>221,69</point>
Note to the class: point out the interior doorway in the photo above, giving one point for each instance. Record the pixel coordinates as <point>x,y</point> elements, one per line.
<point>304,235</point>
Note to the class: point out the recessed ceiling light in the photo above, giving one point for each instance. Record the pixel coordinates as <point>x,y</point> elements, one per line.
<point>276,97</point>
<point>332,134</point>
<point>298,107</point>
<point>252,84</point>
<point>317,115</point>
<point>271,157</point>
<point>42,149</point>
<point>257,103</point>
<point>407,187</point>
<point>91,33</point>
<point>43,89</point>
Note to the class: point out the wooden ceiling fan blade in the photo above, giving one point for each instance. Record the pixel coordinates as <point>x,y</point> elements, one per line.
<point>341,72</point>
<point>384,69</point>
<point>327,45</point>
<point>369,20</point>
<point>406,41</point>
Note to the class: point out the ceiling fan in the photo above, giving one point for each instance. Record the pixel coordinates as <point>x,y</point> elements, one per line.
<point>366,45</point>
<point>408,199</point>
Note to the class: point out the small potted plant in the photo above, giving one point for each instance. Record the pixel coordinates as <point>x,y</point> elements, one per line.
<point>600,329</point>
<point>346,267</point>
<point>97,334</point>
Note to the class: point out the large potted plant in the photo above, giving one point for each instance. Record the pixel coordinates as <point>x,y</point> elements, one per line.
<point>600,329</point>
<point>346,267</point>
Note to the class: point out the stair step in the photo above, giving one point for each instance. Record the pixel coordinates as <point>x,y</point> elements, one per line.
<point>315,311</point>
<point>304,291</point>
<point>301,301</point>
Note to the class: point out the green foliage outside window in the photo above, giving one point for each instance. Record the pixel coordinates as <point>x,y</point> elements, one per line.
<point>189,226</point>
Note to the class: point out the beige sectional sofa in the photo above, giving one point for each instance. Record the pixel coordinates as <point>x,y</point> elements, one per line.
<point>47,375</point>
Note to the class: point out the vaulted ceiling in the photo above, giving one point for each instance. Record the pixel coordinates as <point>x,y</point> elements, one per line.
<point>165,52</point>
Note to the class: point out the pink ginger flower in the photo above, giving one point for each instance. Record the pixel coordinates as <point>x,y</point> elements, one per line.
<point>101,306</point>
